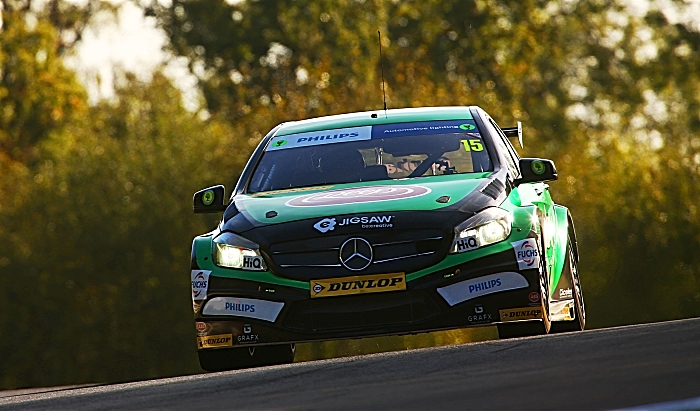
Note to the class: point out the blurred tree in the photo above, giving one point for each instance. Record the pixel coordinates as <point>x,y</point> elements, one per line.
<point>38,95</point>
<point>104,255</point>
<point>95,201</point>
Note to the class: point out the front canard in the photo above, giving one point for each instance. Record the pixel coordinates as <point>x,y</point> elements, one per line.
<point>361,284</point>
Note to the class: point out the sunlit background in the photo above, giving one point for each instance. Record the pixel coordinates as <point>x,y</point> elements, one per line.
<point>113,113</point>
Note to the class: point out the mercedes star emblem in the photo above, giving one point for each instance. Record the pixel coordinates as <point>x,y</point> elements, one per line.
<point>356,254</point>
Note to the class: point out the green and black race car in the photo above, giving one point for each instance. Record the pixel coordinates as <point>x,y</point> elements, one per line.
<point>382,223</point>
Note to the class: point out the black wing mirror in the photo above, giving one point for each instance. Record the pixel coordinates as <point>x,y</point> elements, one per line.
<point>209,200</point>
<point>535,170</point>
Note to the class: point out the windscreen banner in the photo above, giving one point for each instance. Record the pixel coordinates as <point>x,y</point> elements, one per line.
<point>342,135</point>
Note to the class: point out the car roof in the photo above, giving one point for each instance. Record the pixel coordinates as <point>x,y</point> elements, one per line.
<point>401,115</point>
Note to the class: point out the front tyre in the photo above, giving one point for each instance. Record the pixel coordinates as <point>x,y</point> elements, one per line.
<point>246,357</point>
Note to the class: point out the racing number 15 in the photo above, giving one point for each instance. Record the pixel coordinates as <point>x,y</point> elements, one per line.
<point>472,145</point>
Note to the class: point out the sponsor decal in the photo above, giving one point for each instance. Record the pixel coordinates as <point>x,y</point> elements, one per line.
<point>516,314</point>
<point>467,244</point>
<point>243,307</point>
<point>480,286</point>
<point>200,326</point>
<point>200,284</point>
<point>248,336</point>
<point>479,317</point>
<point>331,287</point>
<point>534,297</point>
<point>537,167</point>
<point>317,288</point>
<point>359,195</point>
<point>566,293</point>
<point>208,197</point>
<point>422,128</point>
<point>253,262</point>
<point>375,221</point>
<point>323,137</point>
<point>325,225</point>
<point>526,253</point>
<point>211,341</point>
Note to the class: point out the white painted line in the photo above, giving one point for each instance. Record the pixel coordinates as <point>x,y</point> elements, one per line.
<point>690,404</point>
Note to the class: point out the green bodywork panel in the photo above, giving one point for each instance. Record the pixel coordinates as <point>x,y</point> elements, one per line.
<point>365,119</point>
<point>455,186</point>
<point>525,202</point>
<point>521,229</point>
<point>536,196</point>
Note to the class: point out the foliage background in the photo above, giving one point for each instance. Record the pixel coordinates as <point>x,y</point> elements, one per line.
<point>95,215</point>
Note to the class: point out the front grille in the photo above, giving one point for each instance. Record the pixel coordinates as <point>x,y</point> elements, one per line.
<point>394,251</point>
<point>347,312</point>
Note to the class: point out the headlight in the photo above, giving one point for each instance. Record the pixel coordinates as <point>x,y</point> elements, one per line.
<point>234,251</point>
<point>486,227</point>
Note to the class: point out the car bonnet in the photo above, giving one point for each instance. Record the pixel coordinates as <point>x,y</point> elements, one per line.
<point>416,194</point>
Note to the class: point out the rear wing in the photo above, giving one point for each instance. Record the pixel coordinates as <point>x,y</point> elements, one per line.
<point>514,132</point>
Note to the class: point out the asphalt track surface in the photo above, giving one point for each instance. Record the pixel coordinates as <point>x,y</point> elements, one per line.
<point>599,369</point>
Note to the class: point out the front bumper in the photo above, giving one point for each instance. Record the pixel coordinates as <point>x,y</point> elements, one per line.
<point>472,293</point>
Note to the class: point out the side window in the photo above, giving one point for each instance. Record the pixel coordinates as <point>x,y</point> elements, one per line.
<point>502,143</point>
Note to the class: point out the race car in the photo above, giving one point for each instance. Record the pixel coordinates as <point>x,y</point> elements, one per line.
<point>379,223</point>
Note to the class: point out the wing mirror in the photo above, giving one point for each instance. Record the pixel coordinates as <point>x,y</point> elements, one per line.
<point>535,170</point>
<point>209,200</point>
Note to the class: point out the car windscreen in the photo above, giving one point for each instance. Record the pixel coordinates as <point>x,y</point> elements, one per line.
<point>371,153</point>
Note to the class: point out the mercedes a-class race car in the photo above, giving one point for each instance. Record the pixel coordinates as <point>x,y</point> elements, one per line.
<point>382,223</point>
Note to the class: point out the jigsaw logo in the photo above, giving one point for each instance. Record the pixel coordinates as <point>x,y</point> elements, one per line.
<point>325,225</point>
